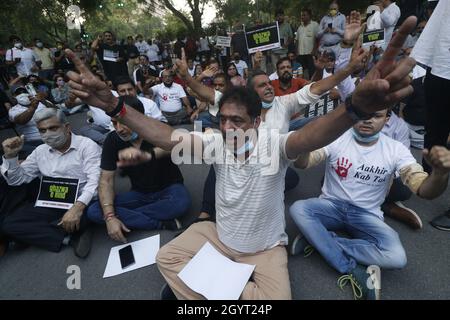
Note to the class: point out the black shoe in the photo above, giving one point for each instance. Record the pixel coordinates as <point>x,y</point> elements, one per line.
<point>172,225</point>
<point>442,222</point>
<point>18,246</point>
<point>166,293</point>
<point>81,243</point>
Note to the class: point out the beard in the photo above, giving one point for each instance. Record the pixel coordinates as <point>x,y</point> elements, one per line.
<point>286,77</point>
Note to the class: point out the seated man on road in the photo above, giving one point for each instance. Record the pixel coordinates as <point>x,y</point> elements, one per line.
<point>359,168</point>
<point>250,201</point>
<point>64,155</point>
<point>157,197</point>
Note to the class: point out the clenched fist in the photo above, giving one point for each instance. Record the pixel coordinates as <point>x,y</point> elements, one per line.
<point>12,146</point>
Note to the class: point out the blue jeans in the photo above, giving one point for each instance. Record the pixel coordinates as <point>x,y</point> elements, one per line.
<point>138,210</point>
<point>373,241</point>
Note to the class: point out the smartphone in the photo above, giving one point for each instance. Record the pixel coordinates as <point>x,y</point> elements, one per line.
<point>126,256</point>
<point>330,25</point>
<point>30,89</point>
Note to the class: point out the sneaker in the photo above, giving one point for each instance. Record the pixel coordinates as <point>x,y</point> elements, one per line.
<point>172,225</point>
<point>442,222</point>
<point>166,293</point>
<point>81,243</point>
<point>299,245</point>
<point>365,282</point>
<point>400,212</point>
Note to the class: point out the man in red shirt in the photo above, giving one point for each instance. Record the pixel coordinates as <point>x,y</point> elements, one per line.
<point>286,83</point>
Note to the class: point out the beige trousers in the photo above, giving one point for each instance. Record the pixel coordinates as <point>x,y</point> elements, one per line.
<point>270,279</point>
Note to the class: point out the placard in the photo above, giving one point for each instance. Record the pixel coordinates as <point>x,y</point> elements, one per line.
<point>323,106</point>
<point>263,38</point>
<point>373,38</point>
<point>57,193</point>
<point>223,41</point>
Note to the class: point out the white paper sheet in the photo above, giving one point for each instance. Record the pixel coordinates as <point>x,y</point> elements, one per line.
<point>144,251</point>
<point>214,276</point>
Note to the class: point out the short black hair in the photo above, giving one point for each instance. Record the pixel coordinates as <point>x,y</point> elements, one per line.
<point>253,75</point>
<point>308,11</point>
<point>122,80</point>
<point>134,103</point>
<point>14,37</point>
<point>245,97</point>
<point>283,60</point>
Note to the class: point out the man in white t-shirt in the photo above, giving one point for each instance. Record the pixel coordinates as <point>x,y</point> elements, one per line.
<point>249,198</point>
<point>22,116</point>
<point>389,17</point>
<point>24,59</point>
<point>171,97</point>
<point>358,172</point>
<point>153,53</point>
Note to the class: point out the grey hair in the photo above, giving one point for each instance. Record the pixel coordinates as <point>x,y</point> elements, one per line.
<point>48,113</point>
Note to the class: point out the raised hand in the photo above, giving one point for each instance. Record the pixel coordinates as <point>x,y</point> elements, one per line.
<point>12,146</point>
<point>388,82</point>
<point>90,89</point>
<point>439,159</point>
<point>321,61</point>
<point>182,66</point>
<point>353,27</point>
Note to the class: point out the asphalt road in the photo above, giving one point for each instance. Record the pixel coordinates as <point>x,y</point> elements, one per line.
<point>37,274</point>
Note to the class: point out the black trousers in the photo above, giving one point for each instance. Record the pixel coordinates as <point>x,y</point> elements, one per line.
<point>22,221</point>
<point>437,123</point>
<point>307,63</point>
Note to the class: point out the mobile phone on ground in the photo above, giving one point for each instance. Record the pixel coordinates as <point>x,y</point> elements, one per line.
<point>126,256</point>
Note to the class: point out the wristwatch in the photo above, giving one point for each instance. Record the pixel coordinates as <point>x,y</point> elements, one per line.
<point>354,112</point>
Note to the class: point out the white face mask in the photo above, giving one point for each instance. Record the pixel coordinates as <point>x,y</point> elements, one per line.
<point>23,99</point>
<point>55,139</point>
<point>39,45</point>
<point>18,45</point>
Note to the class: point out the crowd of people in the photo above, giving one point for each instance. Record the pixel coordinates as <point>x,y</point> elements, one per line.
<point>137,93</point>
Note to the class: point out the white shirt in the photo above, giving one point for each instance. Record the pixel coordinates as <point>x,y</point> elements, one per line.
<point>273,76</point>
<point>389,18</point>
<point>285,107</point>
<point>81,161</point>
<point>100,118</point>
<point>29,130</point>
<point>143,47</point>
<point>241,66</point>
<point>306,37</point>
<point>433,47</point>
<point>27,61</point>
<point>152,53</point>
<point>150,108</point>
<point>361,175</point>
<point>169,98</point>
<point>397,129</point>
<point>204,45</point>
<point>250,196</point>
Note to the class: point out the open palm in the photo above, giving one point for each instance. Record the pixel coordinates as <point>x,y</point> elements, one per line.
<point>353,27</point>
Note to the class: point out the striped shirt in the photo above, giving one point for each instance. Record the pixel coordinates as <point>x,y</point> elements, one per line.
<point>250,195</point>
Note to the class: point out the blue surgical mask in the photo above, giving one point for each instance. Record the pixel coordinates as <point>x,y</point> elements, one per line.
<point>365,139</point>
<point>134,136</point>
<point>267,105</point>
<point>245,148</point>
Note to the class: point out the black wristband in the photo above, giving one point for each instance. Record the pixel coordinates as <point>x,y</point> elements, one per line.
<point>354,113</point>
<point>117,109</point>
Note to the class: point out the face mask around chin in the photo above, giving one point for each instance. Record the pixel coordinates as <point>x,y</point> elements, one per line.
<point>363,139</point>
<point>54,139</point>
<point>266,105</point>
<point>133,137</point>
